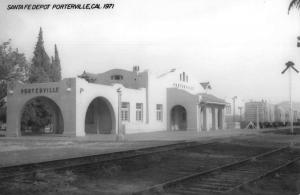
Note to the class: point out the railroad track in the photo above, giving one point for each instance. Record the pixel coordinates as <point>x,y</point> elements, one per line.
<point>225,179</point>
<point>31,168</point>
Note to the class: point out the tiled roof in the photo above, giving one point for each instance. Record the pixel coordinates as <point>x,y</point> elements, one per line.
<point>208,98</point>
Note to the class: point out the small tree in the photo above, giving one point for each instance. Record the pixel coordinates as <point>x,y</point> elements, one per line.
<point>36,115</point>
<point>13,67</point>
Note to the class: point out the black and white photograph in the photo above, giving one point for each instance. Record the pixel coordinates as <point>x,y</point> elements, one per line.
<point>149,97</point>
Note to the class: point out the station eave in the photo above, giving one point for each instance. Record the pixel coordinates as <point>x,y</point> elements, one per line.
<point>211,99</point>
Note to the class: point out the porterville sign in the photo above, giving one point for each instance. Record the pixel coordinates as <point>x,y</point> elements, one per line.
<point>40,90</point>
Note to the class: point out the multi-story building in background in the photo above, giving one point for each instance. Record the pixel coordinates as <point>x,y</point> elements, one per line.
<point>266,112</point>
<point>261,110</point>
<point>283,111</point>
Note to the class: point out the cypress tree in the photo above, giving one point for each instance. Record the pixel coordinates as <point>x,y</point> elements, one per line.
<point>56,68</point>
<point>37,114</point>
<point>51,69</point>
<point>40,67</point>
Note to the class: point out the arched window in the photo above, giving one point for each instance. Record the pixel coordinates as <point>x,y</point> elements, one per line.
<point>116,77</point>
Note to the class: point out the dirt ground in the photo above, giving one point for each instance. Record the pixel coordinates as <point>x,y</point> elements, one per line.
<point>286,181</point>
<point>132,175</point>
<point>30,149</point>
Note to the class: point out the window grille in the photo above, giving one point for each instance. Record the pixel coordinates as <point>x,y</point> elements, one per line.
<point>125,111</point>
<point>159,112</point>
<point>139,111</point>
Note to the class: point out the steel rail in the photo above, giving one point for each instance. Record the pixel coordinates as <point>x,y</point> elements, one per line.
<point>265,174</point>
<point>161,187</point>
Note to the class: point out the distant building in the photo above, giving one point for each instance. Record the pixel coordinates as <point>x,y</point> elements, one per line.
<point>280,114</point>
<point>259,109</point>
<point>229,118</point>
<point>283,111</point>
<point>228,109</point>
<point>270,113</point>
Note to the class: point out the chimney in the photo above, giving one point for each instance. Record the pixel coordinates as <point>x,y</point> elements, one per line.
<point>136,69</point>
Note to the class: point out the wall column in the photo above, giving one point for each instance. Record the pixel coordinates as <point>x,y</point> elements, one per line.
<point>204,119</point>
<point>220,118</point>
<point>217,118</point>
<point>198,117</point>
<point>213,118</point>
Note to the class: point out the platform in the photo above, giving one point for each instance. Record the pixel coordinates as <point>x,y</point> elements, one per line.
<point>29,149</point>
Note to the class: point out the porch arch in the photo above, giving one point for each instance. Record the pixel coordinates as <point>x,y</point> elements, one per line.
<point>178,118</point>
<point>41,115</point>
<point>99,117</point>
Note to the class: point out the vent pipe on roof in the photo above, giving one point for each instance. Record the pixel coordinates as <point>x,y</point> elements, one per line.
<point>136,68</point>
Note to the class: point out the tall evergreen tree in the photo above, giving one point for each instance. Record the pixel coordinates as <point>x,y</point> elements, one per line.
<point>37,113</point>
<point>55,66</point>
<point>40,67</point>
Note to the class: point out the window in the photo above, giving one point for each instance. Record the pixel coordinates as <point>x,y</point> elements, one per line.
<point>228,110</point>
<point>116,77</point>
<point>125,111</point>
<point>139,111</point>
<point>159,112</point>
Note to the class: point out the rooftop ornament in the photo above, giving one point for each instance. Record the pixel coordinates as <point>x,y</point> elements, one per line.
<point>206,86</point>
<point>87,77</point>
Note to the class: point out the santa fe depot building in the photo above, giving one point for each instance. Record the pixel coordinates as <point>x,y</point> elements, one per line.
<point>131,101</point>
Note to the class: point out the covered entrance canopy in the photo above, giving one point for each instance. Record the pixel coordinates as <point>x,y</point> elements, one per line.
<point>211,112</point>
<point>200,112</point>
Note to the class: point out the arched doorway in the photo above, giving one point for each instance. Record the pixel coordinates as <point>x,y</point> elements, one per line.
<point>41,115</point>
<point>99,118</point>
<point>178,118</point>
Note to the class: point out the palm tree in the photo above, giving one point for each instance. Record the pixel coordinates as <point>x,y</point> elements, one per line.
<point>294,3</point>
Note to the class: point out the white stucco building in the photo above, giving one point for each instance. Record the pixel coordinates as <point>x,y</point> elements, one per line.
<point>91,104</point>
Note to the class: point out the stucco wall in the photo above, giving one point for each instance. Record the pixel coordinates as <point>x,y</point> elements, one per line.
<point>74,96</point>
<point>188,101</point>
<point>130,79</point>
<point>18,96</point>
<point>86,93</point>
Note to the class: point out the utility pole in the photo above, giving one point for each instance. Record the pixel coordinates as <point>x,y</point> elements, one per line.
<point>290,66</point>
<point>233,99</point>
<point>240,108</point>
<point>119,91</point>
<point>199,108</point>
<point>257,117</point>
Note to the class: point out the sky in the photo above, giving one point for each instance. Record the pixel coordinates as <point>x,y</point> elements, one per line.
<point>239,46</point>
